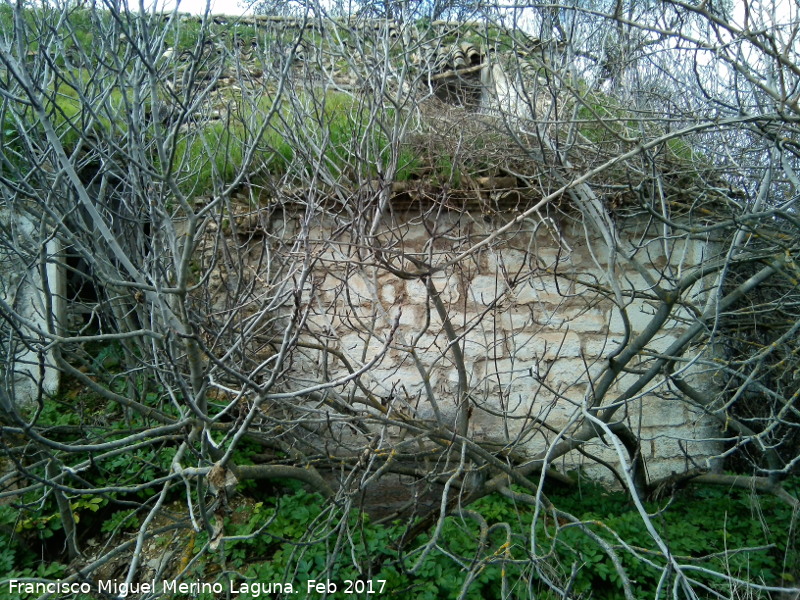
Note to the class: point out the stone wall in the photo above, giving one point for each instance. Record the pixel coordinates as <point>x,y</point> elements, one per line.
<point>534,314</point>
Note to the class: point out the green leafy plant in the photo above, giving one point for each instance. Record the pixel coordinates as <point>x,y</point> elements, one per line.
<point>287,538</point>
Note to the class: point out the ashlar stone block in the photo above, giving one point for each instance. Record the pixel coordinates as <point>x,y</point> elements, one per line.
<point>485,289</point>
<point>640,314</point>
<point>359,290</point>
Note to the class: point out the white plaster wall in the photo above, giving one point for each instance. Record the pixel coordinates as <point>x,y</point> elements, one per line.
<point>29,367</point>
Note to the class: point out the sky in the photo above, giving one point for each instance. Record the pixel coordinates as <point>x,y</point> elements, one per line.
<point>224,7</point>
<point>239,7</point>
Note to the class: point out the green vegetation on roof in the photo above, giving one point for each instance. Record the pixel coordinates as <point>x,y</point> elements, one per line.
<point>343,109</point>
